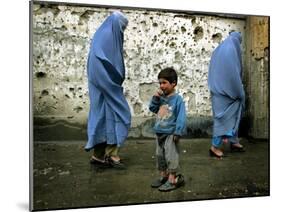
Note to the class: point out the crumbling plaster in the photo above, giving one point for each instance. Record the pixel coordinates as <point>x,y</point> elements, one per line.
<point>153,40</point>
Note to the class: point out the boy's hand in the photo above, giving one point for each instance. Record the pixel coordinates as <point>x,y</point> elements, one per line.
<point>159,93</point>
<point>176,138</point>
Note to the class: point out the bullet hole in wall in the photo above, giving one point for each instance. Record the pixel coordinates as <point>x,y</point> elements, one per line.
<point>193,21</point>
<point>198,33</point>
<point>183,29</point>
<point>44,92</point>
<point>163,31</point>
<point>40,74</point>
<point>155,24</point>
<point>173,45</point>
<point>217,37</point>
<point>77,109</point>
<point>85,16</point>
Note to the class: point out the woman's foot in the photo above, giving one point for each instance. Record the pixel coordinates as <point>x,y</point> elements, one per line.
<point>237,147</point>
<point>115,158</point>
<point>115,162</point>
<point>215,152</point>
<point>225,140</point>
<point>96,160</point>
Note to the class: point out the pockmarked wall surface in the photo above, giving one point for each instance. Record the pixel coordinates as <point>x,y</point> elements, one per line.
<point>153,40</point>
<point>257,77</point>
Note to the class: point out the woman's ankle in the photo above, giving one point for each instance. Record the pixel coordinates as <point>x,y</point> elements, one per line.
<point>237,145</point>
<point>97,158</point>
<point>115,157</point>
<point>216,150</point>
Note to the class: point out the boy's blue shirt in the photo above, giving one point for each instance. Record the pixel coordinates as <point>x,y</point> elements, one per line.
<point>171,115</point>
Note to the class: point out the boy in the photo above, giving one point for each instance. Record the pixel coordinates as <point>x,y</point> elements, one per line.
<point>170,125</point>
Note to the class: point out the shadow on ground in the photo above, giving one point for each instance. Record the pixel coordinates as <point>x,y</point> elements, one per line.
<point>64,178</point>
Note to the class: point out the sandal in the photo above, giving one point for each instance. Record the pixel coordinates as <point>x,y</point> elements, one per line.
<point>234,148</point>
<point>158,182</point>
<point>115,164</point>
<point>95,160</point>
<point>213,154</point>
<point>168,186</point>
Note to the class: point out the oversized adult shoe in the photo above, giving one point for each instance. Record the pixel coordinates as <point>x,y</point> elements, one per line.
<point>168,186</point>
<point>158,182</point>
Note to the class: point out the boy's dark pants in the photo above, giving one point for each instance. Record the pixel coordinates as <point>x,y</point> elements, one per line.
<point>167,153</point>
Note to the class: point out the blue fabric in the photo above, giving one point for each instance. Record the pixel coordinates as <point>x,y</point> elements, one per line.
<point>225,84</point>
<point>109,116</point>
<point>231,136</point>
<point>171,115</point>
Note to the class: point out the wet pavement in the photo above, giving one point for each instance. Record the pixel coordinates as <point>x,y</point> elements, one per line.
<point>64,178</point>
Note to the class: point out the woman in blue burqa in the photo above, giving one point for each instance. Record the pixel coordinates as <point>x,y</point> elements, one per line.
<point>227,93</point>
<point>109,116</point>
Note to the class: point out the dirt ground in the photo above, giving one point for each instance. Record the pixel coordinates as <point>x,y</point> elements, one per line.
<point>64,178</point>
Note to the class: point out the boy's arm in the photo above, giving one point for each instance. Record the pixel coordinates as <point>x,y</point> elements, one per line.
<point>181,120</point>
<point>154,104</point>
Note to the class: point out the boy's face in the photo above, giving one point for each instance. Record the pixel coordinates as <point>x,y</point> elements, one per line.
<point>166,86</point>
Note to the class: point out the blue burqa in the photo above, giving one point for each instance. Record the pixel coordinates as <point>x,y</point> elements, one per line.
<point>225,84</point>
<point>109,116</point>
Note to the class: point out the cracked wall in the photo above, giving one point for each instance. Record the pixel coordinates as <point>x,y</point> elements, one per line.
<point>153,40</point>
<point>257,77</point>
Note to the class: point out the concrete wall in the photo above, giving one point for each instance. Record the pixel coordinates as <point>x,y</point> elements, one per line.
<point>153,40</point>
<point>257,77</point>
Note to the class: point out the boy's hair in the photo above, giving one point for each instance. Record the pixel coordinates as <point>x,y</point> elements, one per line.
<point>169,74</point>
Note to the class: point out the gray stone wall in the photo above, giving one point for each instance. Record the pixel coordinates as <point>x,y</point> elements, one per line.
<point>153,40</point>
